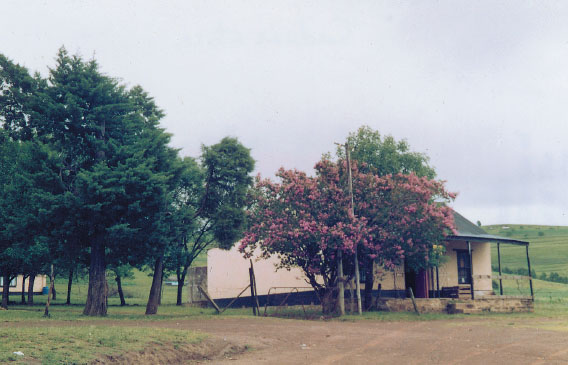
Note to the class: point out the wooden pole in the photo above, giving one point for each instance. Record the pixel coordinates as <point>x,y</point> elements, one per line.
<point>255,291</point>
<point>470,269</point>
<point>499,262</point>
<point>431,284</point>
<point>340,283</point>
<point>352,296</point>
<point>530,274</point>
<point>209,299</point>
<point>252,292</point>
<point>413,301</point>
<point>357,274</point>
<point>437,282</point>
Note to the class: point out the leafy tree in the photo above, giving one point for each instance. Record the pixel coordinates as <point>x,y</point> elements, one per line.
<point>406,216</point>
<point>17,97</point>
<point>8,165</point>
<point>124,198</point>
<point>209,203</point>
<point>382,156</point>
<point>114,165</point>
<point>305,221</point>
<point>28,190</point>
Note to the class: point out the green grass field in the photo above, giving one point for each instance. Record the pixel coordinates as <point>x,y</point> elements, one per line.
<point>548,250</point>
<point>548,247</point>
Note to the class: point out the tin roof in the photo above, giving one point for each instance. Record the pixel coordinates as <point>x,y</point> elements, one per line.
<point>467,231</point>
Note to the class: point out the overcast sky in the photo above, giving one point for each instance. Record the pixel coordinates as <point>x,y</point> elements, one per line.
<point>480,87</point>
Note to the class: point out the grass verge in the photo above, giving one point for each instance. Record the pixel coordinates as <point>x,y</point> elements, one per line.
<point>81,345</point>
<point>22,313</point>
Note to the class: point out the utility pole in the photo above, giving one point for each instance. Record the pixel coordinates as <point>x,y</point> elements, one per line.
<point>340,282</point>
<point>357,276</point>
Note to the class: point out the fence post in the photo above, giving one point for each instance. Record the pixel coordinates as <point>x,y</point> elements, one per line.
<point>530,274</point>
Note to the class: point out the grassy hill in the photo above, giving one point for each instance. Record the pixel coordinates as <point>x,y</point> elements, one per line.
<point>548,247</point>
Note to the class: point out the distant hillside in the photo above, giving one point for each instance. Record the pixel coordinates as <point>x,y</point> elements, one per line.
<point>548,247</point>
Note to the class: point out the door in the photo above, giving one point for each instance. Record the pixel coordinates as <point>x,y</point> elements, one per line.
<point>418,281</point>
<point>464,267</point>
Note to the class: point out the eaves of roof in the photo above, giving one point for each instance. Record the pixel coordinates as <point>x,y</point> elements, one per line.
<point>486,238</point>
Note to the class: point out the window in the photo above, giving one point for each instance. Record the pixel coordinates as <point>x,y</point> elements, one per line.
<point>12,283</point>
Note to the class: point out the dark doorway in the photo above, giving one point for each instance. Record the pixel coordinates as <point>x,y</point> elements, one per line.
<point>464,267</point>
<point>409,279</point>
<point>418,281</point>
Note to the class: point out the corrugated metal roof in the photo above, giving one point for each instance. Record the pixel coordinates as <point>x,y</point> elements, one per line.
<point>470,232</point>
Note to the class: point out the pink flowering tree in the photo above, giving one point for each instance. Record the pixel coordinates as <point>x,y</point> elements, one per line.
<point>407,218</point>
<point>305,222</point>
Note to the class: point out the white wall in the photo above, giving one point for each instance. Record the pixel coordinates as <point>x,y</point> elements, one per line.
<point>481,257</point>
<point>39,282</point>
<point>228,274</point>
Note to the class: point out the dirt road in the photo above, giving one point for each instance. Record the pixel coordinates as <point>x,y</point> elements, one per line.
<point>280,341</point>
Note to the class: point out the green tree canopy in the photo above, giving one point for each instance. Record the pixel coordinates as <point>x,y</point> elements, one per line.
<point>385,155</point>
<point>115,166</point>
<point>210,201</point>
<point>29,191</point>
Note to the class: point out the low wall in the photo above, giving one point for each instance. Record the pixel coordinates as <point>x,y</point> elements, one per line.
<point>196,276</point>
<point>468,306</point>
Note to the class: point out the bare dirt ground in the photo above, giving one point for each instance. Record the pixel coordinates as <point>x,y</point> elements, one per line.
<point>369,342</point>
<point>284,341</point>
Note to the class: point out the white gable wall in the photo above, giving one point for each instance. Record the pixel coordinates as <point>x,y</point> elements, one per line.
<point>228,274</point>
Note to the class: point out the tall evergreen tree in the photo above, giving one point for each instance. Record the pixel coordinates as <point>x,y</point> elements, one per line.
<point>28,191</point>
<point>116,166</point>
<point>17,97</point>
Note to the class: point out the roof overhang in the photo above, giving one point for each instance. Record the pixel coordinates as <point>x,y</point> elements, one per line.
<point>486,238</point>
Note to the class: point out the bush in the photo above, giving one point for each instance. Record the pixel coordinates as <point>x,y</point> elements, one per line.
<point>494,284</point>
<point>519,271</point>
<point>540,233</point>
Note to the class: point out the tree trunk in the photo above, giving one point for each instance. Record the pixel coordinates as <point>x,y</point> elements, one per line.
<point>54,292</point>
<point>161,287</point>
<point>351,296</point>
<point>69,285</point>
<point>369,282</point>
<point>120,293</point>
<point>31,289</point>
<point>5,291</point>
<point>181,281</point>
<point>154,297</point>
<point>328,298</point>
<point>24,289</point>
<point>98,289</point>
